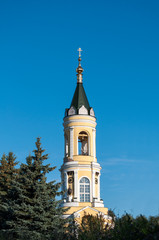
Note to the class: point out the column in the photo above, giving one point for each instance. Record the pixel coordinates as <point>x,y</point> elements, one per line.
<point>64,145</point>
<point>76,193</point>
<point>99,187</point>
<point>94,143</point>
<point>71,142</point>
<point>65,184</point>
<point>93,184</point>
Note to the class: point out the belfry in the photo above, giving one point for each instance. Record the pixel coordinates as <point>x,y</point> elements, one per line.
<point>80,172</point>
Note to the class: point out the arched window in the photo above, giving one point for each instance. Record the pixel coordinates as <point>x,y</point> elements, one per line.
<point>84,190</point>
<point>83,143</point>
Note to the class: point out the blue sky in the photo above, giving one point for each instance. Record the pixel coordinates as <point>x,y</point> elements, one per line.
<point>38,58</point>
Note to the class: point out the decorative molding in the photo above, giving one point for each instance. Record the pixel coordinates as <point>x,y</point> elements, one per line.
<point>98,204</point>
<point>89,121</point>
<point>79,119</point>
<point>96,165</point>
<point>84,177</point>
<point>70,204</point>
<point>83,110</point>
<point>96,180</point>
<point>79,126</point>
<point>80,210</point>
<point>75,164</point>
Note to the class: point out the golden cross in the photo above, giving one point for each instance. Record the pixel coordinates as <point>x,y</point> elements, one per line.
<point>79,50</point>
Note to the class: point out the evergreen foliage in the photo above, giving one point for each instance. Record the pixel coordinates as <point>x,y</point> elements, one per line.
<point>8,172</point>
<point>32,212</point>
<point>29,209</point>
<point>92,228</point>
<point>72,230</point>
<point>139,228</point>
<point>124,228</point>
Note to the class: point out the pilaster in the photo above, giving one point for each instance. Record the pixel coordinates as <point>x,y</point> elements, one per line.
<point>76,192</point>
<point>71,142</point>
<point>94,143</point>
<point>93,184</point>
<point>99,187</point>
<point>65,184</point>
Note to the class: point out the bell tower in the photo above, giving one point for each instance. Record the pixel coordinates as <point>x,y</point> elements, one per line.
<point>80,172</point>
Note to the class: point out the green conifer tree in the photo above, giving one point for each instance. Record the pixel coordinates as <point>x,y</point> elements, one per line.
<point>92,228</point>
<point>8,172</point>
<point>3,176</point>
<point>33,211</point>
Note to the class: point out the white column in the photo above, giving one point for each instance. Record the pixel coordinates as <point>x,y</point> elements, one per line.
<point>99,187</point>
<point>94,144</point>
<point>71,142</point>
<point>62,185</point>
<point>93,184</point>
<point>65,145</point>
<point>65,184</point>
<point>76,186</point>
<point>89,146</point>
<point>77,147</point>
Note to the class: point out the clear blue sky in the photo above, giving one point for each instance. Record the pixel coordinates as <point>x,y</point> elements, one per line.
<point>38,58</point>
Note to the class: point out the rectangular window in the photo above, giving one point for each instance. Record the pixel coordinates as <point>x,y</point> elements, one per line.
<point>87,189</point>
<point>81,197</point>
<point>82,188</point>
<point>87,197</point>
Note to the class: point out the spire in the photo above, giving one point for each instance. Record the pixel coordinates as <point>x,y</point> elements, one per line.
<point>79,69</point>
<point>80,98</point>
<point>79,104</point>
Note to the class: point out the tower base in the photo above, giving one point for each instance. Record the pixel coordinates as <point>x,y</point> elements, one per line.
<point>77,213</point>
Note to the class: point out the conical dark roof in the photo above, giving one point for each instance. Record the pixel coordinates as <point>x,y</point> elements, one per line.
<point>80,98</point>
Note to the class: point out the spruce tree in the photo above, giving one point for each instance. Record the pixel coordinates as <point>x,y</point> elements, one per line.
<point>3,176</point>
<point>33,211</point>
<point>8,172</point>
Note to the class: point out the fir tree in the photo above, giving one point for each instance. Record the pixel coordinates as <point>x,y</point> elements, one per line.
<point>33,211</point>
<point>8,172</point>
<point>3,176</point>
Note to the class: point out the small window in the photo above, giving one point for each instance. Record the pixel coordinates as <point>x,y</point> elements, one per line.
<point>84,190</point>
<point>83,143</point>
